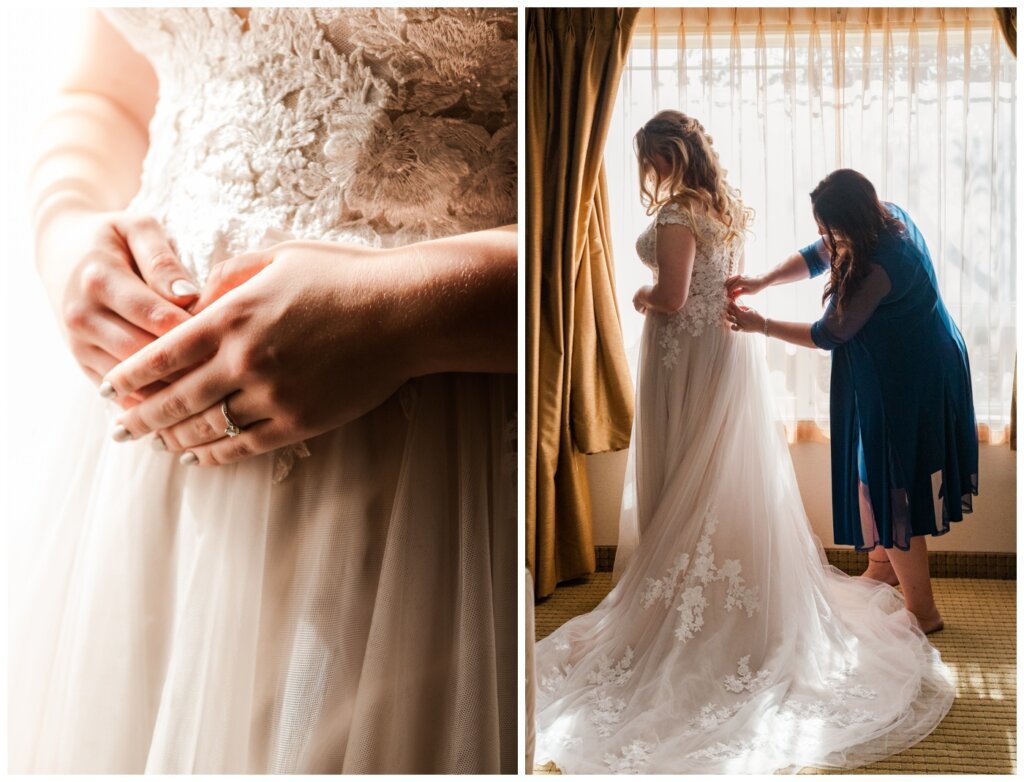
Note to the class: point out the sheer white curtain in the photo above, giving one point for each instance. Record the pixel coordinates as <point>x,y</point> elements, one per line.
<point>921,101</point>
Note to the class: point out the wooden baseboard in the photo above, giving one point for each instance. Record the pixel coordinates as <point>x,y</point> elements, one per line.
<point>943,564</point>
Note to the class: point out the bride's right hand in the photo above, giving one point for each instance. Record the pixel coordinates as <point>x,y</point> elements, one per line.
<point>739,285</point>
<point>126,287</point>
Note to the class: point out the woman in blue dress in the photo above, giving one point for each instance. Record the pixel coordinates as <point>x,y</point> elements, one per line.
<point>904,437</point>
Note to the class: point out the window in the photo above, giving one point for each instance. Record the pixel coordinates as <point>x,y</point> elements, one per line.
<point>921,101</point>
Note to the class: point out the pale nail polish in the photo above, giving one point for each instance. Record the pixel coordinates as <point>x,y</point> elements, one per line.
<point>184,288</point>
<point>188,458</point>
<point>121,434</point>
<point>107,391</point>
<point>158,444</point>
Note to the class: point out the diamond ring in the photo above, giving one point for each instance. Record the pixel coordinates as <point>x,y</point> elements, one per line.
<point>232,429</point>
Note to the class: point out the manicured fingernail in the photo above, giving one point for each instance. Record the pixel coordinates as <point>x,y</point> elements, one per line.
<point>184,288</point>
<point>158,444</point>
<point>121,434</point>
<point>107,391</point>
<point>188,458</point>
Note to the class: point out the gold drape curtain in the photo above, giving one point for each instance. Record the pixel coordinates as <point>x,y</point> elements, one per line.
<point>579,392</point>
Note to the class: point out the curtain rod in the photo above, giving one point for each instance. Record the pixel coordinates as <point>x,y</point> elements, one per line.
<point>779,18</point>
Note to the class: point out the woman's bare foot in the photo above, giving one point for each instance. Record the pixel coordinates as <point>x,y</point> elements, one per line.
<point>930,623</point>
<point>881,570</point>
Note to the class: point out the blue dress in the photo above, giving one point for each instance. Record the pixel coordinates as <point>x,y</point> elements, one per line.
<point>904,436</point>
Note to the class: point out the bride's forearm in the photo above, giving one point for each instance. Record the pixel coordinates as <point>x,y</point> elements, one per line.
<point>793,269</point>
<point>656,298</point>
<point>460,301</point>
<point>89,151</point>
<point>89,160</point>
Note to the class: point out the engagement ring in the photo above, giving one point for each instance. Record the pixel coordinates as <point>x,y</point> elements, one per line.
<point>233,429</point>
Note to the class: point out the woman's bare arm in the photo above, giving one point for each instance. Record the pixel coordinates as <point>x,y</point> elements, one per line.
<point>793,269</point>
<point>112,278</point>
<point>92,144</point>
<point>676,249</point>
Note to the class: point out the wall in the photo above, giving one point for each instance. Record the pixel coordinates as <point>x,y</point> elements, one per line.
<point>992,527</point>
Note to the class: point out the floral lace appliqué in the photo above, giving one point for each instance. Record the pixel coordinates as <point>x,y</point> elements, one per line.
<point>824,712</point>
<point>745,679</point>
<point>692,600</point>
<point>734,749</point>
<point>376,126</point>
<point>711,716</point>
<point>631,759</point>
<point>606,709</point>
<point>839,684</point>
<point>608,675</point>
<point>570,742</point>
<point>285,458</point>
<point>555,678</point>
<point>716,258</point>
<point>691,612</point>
<point>738,595</point>
<point>664,588</point>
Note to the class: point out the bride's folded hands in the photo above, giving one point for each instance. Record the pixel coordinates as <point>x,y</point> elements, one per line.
<point>115,283</point>
<point>308,335</point>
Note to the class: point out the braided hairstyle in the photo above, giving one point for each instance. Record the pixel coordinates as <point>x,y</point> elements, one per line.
<point>846,205</point>
<point>697,176</point>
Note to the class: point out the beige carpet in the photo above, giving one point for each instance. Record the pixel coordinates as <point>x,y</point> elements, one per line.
<point>978,643</point>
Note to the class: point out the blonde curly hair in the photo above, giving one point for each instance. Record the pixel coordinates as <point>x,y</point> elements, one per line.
<point>697,175</point>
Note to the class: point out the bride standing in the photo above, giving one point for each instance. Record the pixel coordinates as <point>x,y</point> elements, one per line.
<point>728,643</point>
<point>313,568</point>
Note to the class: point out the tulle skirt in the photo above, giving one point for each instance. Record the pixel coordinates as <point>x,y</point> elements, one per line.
<point>728,644</point>
<point>358,616</point>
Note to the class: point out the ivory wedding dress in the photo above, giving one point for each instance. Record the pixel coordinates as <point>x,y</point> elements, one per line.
<point>728,643</point>
<point>346,605</point>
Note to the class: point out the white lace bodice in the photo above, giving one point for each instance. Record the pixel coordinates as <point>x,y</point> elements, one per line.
<point>717,258</point>
<point>376,126</point>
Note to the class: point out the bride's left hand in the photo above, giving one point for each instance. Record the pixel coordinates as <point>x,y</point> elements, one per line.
<point>300,338</point>
<point>743,318</point>
<point>640,299</point>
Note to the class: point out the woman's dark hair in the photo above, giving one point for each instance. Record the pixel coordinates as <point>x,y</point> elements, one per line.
<point>847,207</point>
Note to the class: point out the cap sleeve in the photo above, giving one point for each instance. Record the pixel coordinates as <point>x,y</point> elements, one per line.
<point>675,214</point>
<point>817,257</point>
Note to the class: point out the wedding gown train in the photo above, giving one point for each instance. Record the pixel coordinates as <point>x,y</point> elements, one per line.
<point>728,643</point>
<point>348,605</point>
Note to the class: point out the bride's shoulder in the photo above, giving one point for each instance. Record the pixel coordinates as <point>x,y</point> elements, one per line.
<point>673,212</point>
